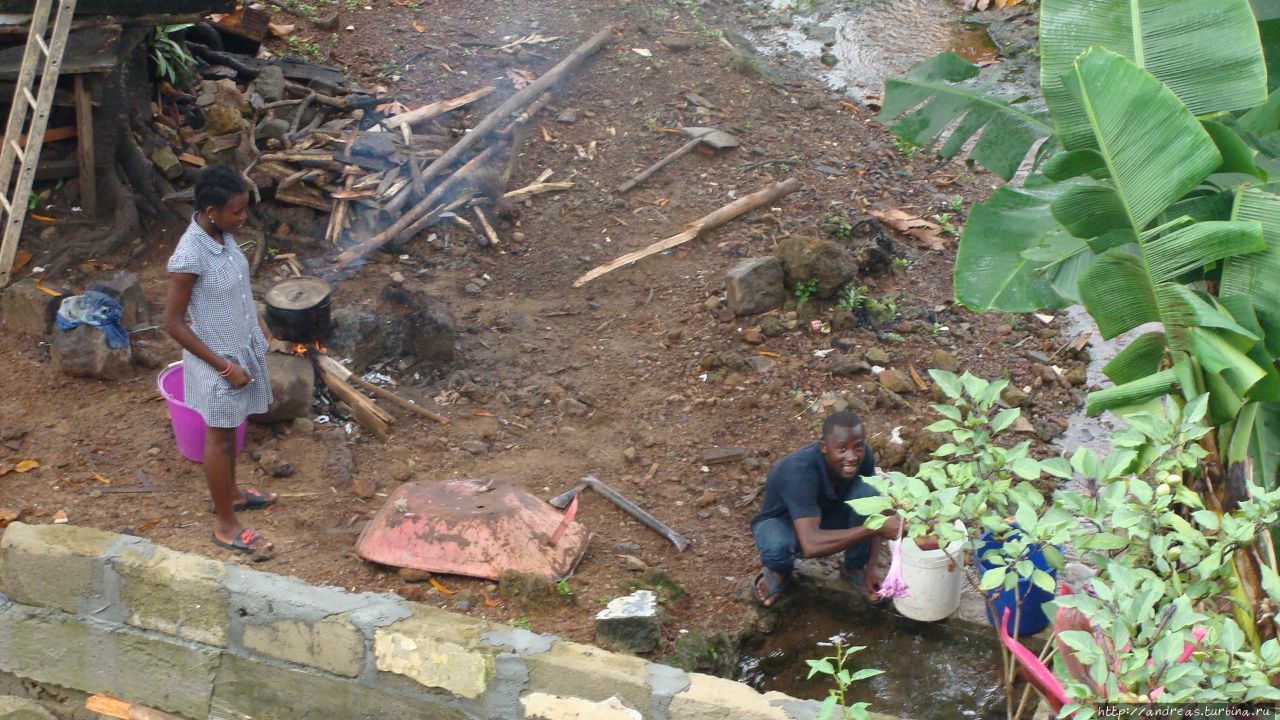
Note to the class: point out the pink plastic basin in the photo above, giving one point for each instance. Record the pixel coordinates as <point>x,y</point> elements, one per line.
<point>188,425</point>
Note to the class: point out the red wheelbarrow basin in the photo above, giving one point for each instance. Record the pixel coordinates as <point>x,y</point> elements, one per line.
<point>467,527</point>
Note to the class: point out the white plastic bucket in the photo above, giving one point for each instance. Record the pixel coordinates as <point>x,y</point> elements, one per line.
<point>933,581</point>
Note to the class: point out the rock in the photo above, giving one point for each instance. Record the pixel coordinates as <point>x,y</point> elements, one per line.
<point>575,407</point>
<point>713,303</point>
<point>16,708</point>
<point>719,456</point>
<point>629,454</point>
<point>303,426</point>
<point>755,286</point>
<point>274,128</point>
<point>1013,396</point>
<point>829,59</point>
<point>772,326</point>
<point>157,352</point>
<point>124,288</point>
<point>568,117</point>
<point>725,315</point>
<point>83,352</point>
<point>825,34</point>
<point>270,83</point>
<point>630,624</point>
<point>634,564</point>
<point>339,466</point>
<point>424,324</point>
<point>475,447</point>
<point>760,364</point>
<point>877,356</point>
<point>708,497</point>
<point>679,43</point>
<point>399,471</point>
<point>849,365</point>
<point>1047,430</point>
<point>943,360</point>
<point>897,381</point>
<point>377,145</point>
<point>472,290</point>
<point>413,575</point>
<point>274,464</point>
<point>327,22</point>
<point>1077,376</point>
<point>752,336</point>
<point>806,259</point>
<point>222,119</point>
<point>28,310</point>
<point>357,334</point>
<point>166,162</point>
<point>627,547</point>
<point>843,319</point>
<point>293,380</point>
<point>726,360</point>
<point>364,487</point>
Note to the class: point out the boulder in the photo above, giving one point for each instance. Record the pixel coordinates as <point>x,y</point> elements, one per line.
<point>166,162</point>
<point>849,365</point>
<point>421,325</point>
<point>897,381</point>
<point>222,120</point>
<point>83,352</point>
<point>293,381</point>
<point>755,285</point>
<point>357,334</point>
<point>806,259</point>
<point>123,287</point>
<point>16,708</point>
<point>270,83</point>
<point>630,624</point>
<point>27,309</point>
<point>377,145</point>
<point>943,360</point>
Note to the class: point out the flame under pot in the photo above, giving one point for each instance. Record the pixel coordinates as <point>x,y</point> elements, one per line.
<point>298,309</point>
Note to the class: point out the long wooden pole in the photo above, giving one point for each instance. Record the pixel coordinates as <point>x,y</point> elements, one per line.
<point>697,227</point>
<point>516,102</point>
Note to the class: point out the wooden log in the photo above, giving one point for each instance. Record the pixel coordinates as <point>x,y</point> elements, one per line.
<point>516,102</point>
<point>697,227</point>
<point>84,150</point>
<point>370,416</point>
<point>426,112</point>
<point>111,707</point>
<point>389,396</point>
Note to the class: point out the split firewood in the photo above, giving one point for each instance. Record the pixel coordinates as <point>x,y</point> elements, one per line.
<point>111,707</point>
<point>355,380</point>
<point>537,189</point>
<point>369,415</point>
<point>426,112</point>
<point>707,222</point>
<point>484,225</point>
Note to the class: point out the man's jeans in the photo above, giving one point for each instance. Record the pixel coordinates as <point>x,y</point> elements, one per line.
<point>776,537</point>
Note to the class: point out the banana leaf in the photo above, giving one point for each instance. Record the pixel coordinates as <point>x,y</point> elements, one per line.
<point>1118,294</point>
<point>1154,148</point>
<point>992,271</point>
<point>1140,358</point>
<point>1257,275</point>
<point>1197,245</point>
<point>1131,393</point>
<point>944,89</point>
<point>1206,51</point>
<point>1265,445</point>
<point>1237,155</point>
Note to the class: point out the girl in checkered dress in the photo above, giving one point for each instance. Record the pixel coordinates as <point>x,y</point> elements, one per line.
<point>224,369</point>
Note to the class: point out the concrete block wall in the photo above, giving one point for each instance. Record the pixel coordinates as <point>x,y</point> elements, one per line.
<point>100,612</point>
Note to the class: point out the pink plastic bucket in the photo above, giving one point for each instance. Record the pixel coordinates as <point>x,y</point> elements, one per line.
<point>188,425</point>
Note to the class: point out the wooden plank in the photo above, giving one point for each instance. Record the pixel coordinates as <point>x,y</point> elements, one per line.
<point>84,150</point>
<point>91,50</point>
<point>128,7</point>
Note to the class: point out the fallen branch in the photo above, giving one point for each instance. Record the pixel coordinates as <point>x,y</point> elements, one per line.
<point>426,112</point>
<point>537,189</point>
<point>486,227</point>
<point>516,102</point>
<point>707,222</point>
<point>342,371</point>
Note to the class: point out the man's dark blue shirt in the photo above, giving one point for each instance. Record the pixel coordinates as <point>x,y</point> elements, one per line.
<point>800,485</point>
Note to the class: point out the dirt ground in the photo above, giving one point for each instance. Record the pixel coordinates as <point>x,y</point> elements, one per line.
<point>658,376</point>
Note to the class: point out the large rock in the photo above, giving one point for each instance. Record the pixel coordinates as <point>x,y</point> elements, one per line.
<point>123,287</point>
<point>419,325</point>
<point>293,381</point>
<point>897,381</point>
<point>357,334</point>
<point>27,309</point>
<point>83,352</point>
<point>632,623</point>
<point>805,259</point>
<point>16,708</point>
<point>754,286</point>
<point>270,83</point>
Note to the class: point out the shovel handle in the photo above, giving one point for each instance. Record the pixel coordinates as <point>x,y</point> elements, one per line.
<point>648,172</point>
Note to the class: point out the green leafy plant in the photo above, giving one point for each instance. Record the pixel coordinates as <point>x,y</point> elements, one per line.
<point>944,220</point>
<point>836,667</point>
<point>170,58</point>
<point>882,310</point>
<point>520,622</point>
<point>852,297</point>
<point>957,203</point>
<point>902,262</point>
<point>305,49</point>
<point>805,290</point>
<point>894,337</point>
<point>563,589</point>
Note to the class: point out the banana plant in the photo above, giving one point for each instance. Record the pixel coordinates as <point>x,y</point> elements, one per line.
<point>1149,204</point>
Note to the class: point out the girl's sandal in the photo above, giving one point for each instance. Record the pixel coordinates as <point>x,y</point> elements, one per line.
<point>249,543</point>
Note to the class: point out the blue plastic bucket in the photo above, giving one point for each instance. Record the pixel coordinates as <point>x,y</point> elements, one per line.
<point>1033,618</point>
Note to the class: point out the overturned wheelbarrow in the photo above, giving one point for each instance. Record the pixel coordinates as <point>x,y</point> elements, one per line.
<point>468,527</point>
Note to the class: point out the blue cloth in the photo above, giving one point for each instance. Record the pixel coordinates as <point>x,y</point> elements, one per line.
<point>798,486</point>
<point>95,309</point>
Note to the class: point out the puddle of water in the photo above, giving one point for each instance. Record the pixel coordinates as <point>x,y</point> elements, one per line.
<point>932,670</point>
<point>881,38</point>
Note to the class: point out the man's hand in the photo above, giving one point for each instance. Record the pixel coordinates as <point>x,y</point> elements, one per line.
<point>891,528</point>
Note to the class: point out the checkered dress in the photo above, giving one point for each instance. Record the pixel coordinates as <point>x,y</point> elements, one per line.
<point>224,317</point>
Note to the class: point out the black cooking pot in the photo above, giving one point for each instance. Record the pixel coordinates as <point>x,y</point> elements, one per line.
<point>298,309</point>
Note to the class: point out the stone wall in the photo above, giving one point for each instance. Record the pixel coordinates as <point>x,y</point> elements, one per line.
<point>99,612</point>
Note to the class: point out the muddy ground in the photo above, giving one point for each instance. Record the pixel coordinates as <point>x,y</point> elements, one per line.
<point>631,378</point>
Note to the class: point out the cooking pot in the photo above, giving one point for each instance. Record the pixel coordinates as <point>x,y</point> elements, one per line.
<point>298,309</point>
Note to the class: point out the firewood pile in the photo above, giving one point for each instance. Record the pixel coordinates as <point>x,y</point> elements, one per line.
<point>381,171</point>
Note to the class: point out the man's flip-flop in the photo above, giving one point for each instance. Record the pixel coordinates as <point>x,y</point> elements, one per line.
<point>244,543</point>
<point>773,583</point>
<point>254,499</point>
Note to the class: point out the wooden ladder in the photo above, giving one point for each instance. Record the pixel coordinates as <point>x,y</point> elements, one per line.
<point>26,154</point>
